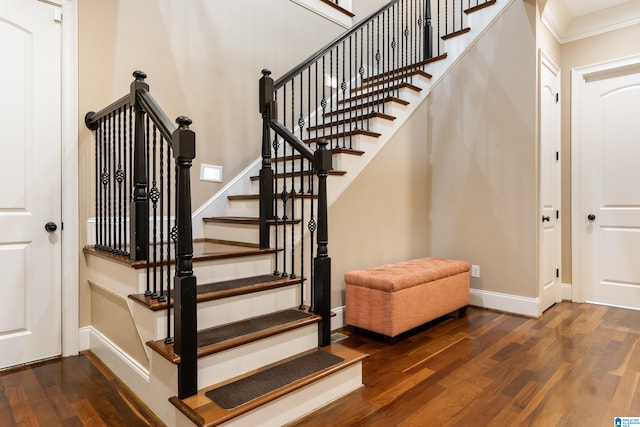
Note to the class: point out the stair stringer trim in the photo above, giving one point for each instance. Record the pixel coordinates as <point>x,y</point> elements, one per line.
<point>456,48</point>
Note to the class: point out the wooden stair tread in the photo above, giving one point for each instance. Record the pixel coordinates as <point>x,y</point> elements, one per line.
<point>337,7</point>
<point>344,134</point>
<point>297,157</point>
<point>456,33</point>
<point>244,220</point>
<point>375,93</point>
<point>224,289</point>
<point>368,104</point>
<point>297,174</point>
<point>479,7</point>
<point>204,412</point>
<point>405,69</point>
<point>203,250</point>
<point>356,118</point>
<point>381,80</point>
<point>295,195</point>
<point>224,337</point>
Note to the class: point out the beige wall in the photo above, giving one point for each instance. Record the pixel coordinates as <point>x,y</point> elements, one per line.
<point>483,146</point>
<point>383,216</point>
<point>203,59</point>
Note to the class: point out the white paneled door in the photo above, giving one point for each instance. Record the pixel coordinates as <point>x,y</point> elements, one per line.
<point>549,215</point>
<point>30,181</point>
<point>612,202</point>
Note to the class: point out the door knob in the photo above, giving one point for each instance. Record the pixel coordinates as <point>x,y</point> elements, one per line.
<point>50,227</point>
<point>591,217</point>
<point>546,218</point>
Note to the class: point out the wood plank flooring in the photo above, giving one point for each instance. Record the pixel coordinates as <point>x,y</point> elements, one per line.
<point>71,391</point>
<point>578,365</point>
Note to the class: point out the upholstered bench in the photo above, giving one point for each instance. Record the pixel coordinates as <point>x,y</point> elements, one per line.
<point>395,298</point>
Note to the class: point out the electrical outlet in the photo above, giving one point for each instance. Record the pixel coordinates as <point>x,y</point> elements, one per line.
<point>475,271</point>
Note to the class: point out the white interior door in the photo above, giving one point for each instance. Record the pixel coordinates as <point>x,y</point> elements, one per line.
<point>549,264</point>
<point>612,200</point>
<point>30,181</point>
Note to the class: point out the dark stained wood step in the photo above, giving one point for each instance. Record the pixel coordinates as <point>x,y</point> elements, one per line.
<point>224,289</point>
<point>295,195</point>
<point>245,220</point>
<point>355,119</point>
<point>204,412</point>
<point>297,157</point>
<point>480,7</point>
<point>382,80</point>
<point>367,104</point>
<point>405,69</point>
<point>383,92</point>
<point>235,334</point>
<point>341,135</point>
<point>203,250</point>
<point>297,174</point>
<point>338,8</point>
<point>456,33</point>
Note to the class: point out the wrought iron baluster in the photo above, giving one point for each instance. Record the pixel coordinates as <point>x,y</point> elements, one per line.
<point>120,180</point>
<point>98,168</point>
<point>161,297</point>
<point>154,195</point>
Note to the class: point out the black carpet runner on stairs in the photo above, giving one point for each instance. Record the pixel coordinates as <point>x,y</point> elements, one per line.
<point>242,391</point>
<point>237,283</point>
<point>245,327</point>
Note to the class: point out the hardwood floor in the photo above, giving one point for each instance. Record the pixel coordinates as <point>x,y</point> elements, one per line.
<point>578,365</point>
<point>72,391</point>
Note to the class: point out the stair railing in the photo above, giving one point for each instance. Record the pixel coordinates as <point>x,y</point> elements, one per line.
<point>332,96</point>
<point>143,210</point>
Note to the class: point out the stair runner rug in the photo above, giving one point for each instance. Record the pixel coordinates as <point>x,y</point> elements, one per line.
<point>247,389</point>
<point>238,283</point>
<point>233,330</point>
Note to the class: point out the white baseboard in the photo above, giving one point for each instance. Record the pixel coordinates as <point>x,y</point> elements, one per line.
<point>337,321</point>
<point>84,338</point>
<point>505,302</point>
<point>565,291</point>
<point>129,370</point>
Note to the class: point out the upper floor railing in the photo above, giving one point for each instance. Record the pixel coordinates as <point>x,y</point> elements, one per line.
<point>326,102</point>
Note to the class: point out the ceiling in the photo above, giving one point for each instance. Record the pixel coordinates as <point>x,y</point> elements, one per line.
<point>585,7</point>
<point>570,20</point>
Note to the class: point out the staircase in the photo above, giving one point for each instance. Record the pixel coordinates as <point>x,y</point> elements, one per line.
<point>258,350</point>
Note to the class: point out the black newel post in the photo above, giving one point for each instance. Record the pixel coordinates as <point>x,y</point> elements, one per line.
<point>185,327</point>
<point>268,112</point>
<point>139,222</point>
<point>428,33</point>
<point>322,262</point>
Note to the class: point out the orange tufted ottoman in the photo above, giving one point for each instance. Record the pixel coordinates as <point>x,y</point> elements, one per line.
<point>397,297</point>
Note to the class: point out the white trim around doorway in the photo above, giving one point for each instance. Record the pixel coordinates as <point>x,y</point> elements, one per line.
<point>70,248</point>
<point>579,77</point>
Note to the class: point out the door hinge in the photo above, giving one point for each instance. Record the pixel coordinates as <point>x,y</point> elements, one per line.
<point>557,272</point>
<point>557,97</point>
<point>61,226</point>
<point>557,156</point>
<point>557,214</point>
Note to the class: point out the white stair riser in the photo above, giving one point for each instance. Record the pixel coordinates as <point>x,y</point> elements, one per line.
<point>245,233</point>
<point>152,325</point>
<point>221,366</point>
<point>302,401</point>
<point>232,309</point>
<point>251,233</point>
